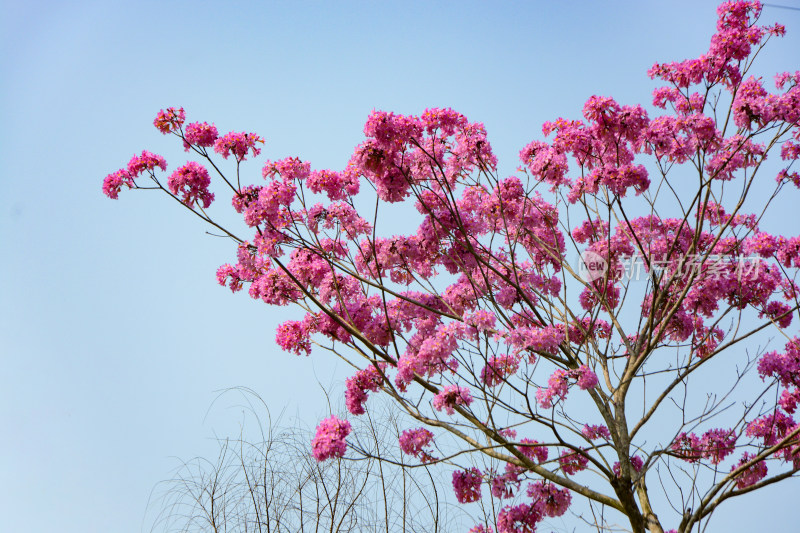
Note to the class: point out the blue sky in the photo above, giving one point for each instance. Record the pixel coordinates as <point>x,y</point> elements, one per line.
<point>114,337</point>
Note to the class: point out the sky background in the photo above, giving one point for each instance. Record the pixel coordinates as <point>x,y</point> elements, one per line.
<point>115,339</point>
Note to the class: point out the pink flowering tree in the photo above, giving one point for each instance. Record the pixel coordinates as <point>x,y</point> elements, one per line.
<point>586,334</point>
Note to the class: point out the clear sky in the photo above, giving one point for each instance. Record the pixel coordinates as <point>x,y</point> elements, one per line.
<point>114,337</point>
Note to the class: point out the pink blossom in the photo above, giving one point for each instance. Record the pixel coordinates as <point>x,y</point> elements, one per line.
<point>790,150</point>
<point>520,518</point>
<point>736,153</point>
<point>687,447</point>
<point>557,387</point>
<point>368,379</point>
<point>778,312</point>
<point>772,428</point>
<point>784,176</point>
<point>588,328</point>
<point>191,182</point>
<point>789,400</point>
<point>450,396</point>
<point>783,366</point>
<point>733,42</point>
<point>337,185</point>
<point>290,168</point>
<point>716,444</point>
<point>762,244</point>
<point>590,231</point>
<point>414,441</point>
<point>550,500</point>
<point>545,163</point>
<point>169,120</point>
<point>200,135</point>
<point>586,378</point>
<point>592,432</point>
<point>146,161</point>
<point>274,287</point>
<point>330,439</point>
<point>430,352</point>
<point>752,474</point>
<point>752,104</point>
<point>573,462</point>
<point>467,485</point>
<point>238,144</point>
<point>558,384</point>
<point>506,485</point>
<point>114,182</point>
<point>546,339</point>
<point>498,368</point>
<point>788,251</point>
<point>508,433</point>
<point>482,320</point>
<point>636,463</point>
<point>294,336</point>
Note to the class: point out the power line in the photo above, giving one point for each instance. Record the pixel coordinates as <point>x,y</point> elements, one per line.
<point>782,7</point>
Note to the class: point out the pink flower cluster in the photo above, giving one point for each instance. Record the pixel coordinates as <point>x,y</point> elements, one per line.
<point>753,104</point>
<point>533,450</point>
<point>521,518</point>
<point>498,368</point>
<point>546,163</point>
<point>785,367</point>
<point>636,463</point>
<point>191,182</point>
<point>467,485</point>
<point>198,134</point>
<point>604,148</point>
<point>414,441</point>
<point>550,500</point>
<point>535,339</point>
<point>451,396</point>
<point>590,231</point>
<point>593,432</point>
<point>146,162</point>
<point>772,428</point>
<point>482,320</point>
<point>337,185</point>
<point>238,144</point>
<point>337,216</point>
<point>266,205</point>
<point>735,37</point>
<point>558,384</point>
<point>547,500</point>
<point>572,462</point>
<point>735,153</point>
<point>714,445</point>
<point>557,388</point>
<point>271,285</point>
<point>752,474</point>
<point>330,439</point>
<point>430,353</point>
<point>170,120</point>
<point>396,153</point>
<point>293,336</point>
<point>506,485</point>
<point>114,182</point>
<point>368,379</point>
